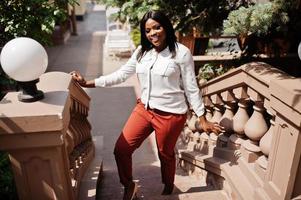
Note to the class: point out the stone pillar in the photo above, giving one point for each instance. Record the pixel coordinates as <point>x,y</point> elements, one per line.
<point>218,105</point>
<point>40,141</point>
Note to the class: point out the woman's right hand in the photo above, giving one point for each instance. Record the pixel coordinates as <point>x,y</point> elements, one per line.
<point>78,78</point>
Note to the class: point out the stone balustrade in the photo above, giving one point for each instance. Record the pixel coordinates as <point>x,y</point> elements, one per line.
<point>49,141</point>
<point>258,156</point>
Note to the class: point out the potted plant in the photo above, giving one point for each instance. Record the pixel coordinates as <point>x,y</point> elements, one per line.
<point>197,21</point>
<point>209,71</point>
<point>259,28</point>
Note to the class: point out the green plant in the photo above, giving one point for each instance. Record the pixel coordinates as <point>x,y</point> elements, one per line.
<point>272,28</point>
<point>7,186</point>
<point>210,70</point>
<point>31,18</point>
<point>131,10</point>
<point>6,83</point>
<point>238,22</point>
<point>185,15</point>
<point>257,19</point>
<point>205,16</point>
<point>135,35</point>
<point>206,72</point>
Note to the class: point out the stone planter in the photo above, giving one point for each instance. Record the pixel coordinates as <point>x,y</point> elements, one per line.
<point>270,45</point>
<point>197,45</point>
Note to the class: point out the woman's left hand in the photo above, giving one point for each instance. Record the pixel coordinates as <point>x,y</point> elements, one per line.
<point>209,127</point>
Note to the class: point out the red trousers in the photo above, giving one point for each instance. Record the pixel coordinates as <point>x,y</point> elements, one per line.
<point>140,125</point>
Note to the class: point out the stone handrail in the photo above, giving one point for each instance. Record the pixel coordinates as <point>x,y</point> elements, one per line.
<point>48,141</point>
<point>258,157</point>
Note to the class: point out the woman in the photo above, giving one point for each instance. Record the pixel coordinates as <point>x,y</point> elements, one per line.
<point>165,71</point>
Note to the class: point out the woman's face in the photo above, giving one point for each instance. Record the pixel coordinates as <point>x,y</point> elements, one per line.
<point>155,34</point>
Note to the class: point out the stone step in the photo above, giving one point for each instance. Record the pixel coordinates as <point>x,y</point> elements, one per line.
<point>148,177</point>
<point>91,180</point>
<point>239,183</point>
<point>93,176</point>
<point>206,195</point>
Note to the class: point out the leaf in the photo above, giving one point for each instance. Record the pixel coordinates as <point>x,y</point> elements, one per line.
<point>56,12</point>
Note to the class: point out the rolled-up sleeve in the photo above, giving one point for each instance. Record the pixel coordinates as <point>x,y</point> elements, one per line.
<point>191,89</point>
<point>121,75</point>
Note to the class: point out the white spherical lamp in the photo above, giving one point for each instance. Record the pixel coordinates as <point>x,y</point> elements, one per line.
<point>25,60</point>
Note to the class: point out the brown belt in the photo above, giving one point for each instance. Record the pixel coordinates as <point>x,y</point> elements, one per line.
<point>157,111</point>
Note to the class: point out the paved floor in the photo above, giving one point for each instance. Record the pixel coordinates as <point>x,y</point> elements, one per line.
<point>109,110</point>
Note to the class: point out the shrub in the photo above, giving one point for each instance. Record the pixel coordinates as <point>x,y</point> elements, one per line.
<point>209,71</point>
<point>135,35</point>
<point>7,185</point>
<point>258,19</point>
<point>31,18</point>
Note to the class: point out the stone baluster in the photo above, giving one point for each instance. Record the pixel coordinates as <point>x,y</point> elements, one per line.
<point>203,145</point>
<point>197,134</point>
<point>72,125</point>
<point>69,136</point>
<point>81,124</point>
<point>193,140</point>
<point>189,115</point>
<point>85,123</point>
<point>80,120</point>
<point>84,146</point>
<point>76,123</point>
<point>208,108</point>
<point>77,128</point>
<point>227,119</point>
<point>187,135</point>
<point>265,145</point>
<point>218,104</point>
<point>191,122</point>
<point>239,119</point>
<point>255,128</point>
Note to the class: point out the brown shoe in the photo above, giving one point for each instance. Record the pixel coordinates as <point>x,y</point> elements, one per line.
<point>168,188</point>
<point>130,192</point>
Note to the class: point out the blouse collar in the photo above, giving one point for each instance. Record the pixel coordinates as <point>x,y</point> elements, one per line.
<point>164,52</point>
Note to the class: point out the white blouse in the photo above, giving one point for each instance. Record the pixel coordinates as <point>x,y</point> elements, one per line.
<point>164,81</point>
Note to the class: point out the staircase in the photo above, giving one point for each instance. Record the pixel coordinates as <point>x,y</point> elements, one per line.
<point>146,171</point>
<point>110,108</point>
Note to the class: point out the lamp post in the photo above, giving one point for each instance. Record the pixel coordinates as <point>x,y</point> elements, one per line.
<point>25,60</point>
